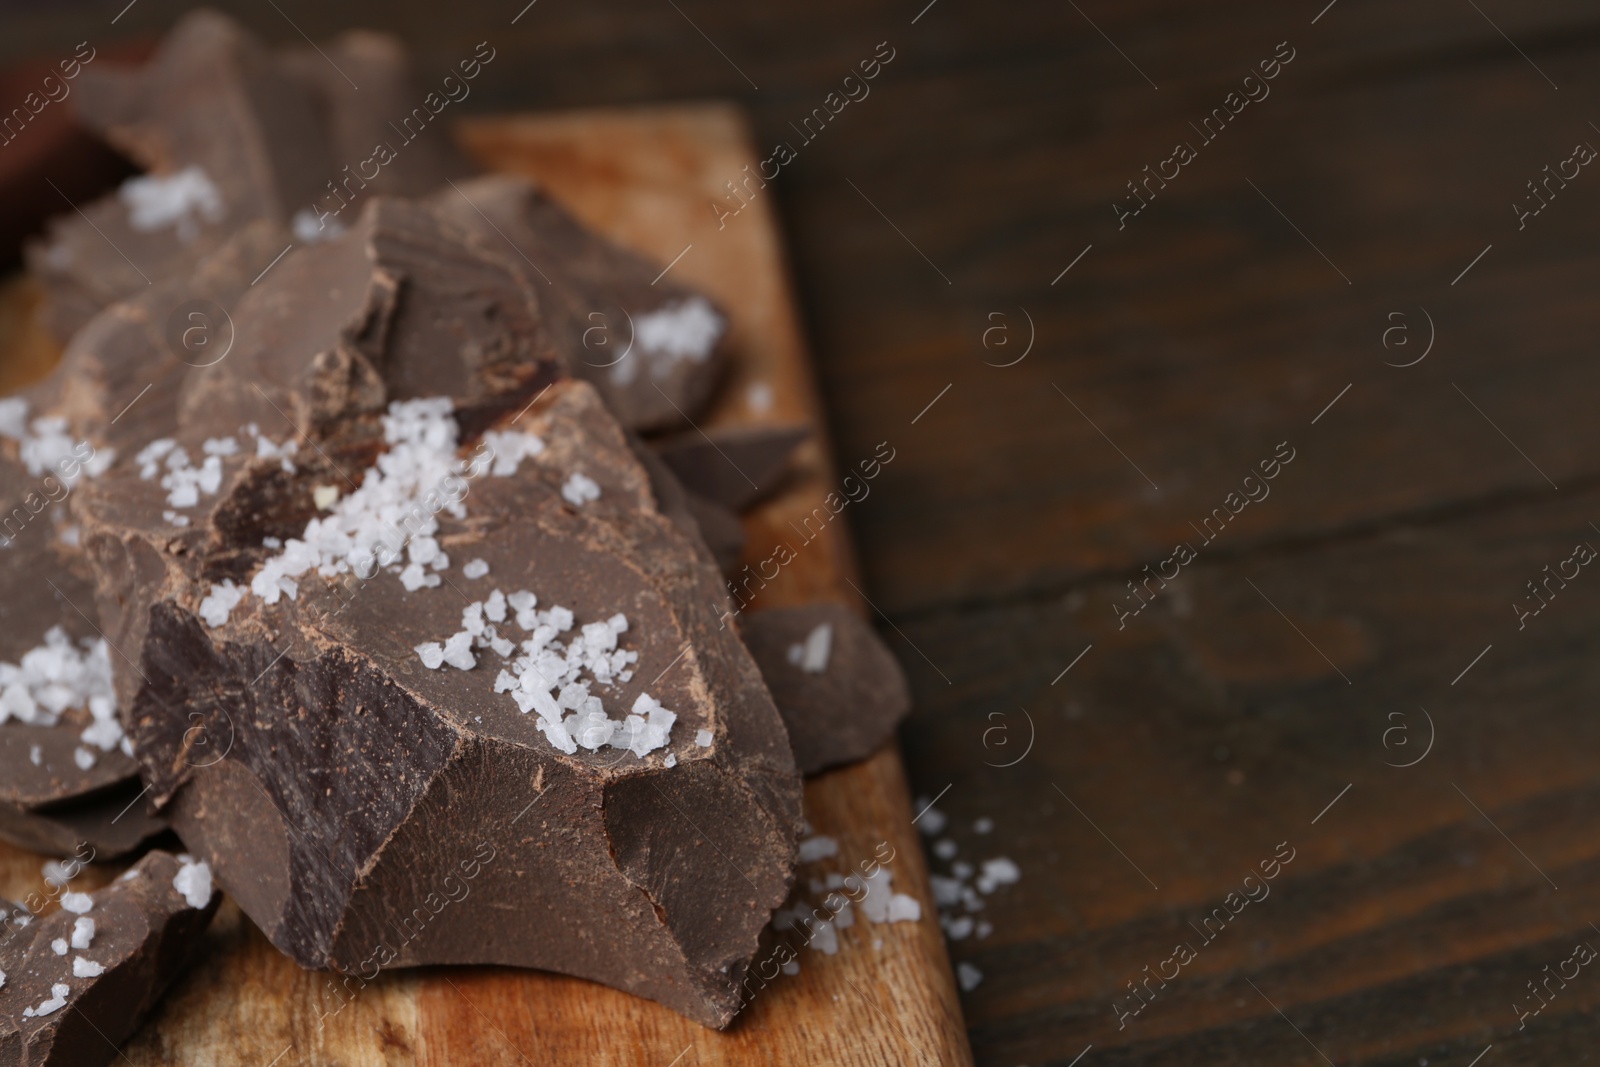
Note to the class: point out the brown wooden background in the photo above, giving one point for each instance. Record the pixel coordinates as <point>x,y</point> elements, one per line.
<point>1224,718</point>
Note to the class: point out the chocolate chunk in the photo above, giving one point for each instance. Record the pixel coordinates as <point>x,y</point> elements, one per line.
<point>355,750</point>
<point>227,138</point>
<point>840,690</point>
<point>736,467</point>
<point>388,110</point>
<point>653,348</point>
<point>65,778</point>
<point>230,132</point>
<point>721,529</point>
<point>79,981</point>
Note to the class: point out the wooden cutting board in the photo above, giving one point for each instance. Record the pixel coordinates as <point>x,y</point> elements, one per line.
<point>646,178</point>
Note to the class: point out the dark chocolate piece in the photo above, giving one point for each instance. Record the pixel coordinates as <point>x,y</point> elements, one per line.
<point>387,110</point>
<point>736,467</point>
<point>73,1007</point>
<point>840,690</point>
<point>721,529</point>
<point>117,387</point>
<point>653,348</point>
<point>63,780</point>
<point>227,138</point>
<point>352,790</point>
<point>230,132</point>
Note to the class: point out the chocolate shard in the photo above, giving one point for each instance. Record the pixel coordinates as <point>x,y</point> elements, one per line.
<point>66,777</point>
<point>653,348</point>
<point>544,709</point>
<point>840,690</point>
<point>388,110</point>
<point>735,467</point>
<point>79,981</point>
<point>721,529</point>
<point>115,390</point>
<point>229,132</point>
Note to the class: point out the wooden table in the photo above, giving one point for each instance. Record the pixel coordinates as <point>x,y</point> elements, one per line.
<point>1287,669</point>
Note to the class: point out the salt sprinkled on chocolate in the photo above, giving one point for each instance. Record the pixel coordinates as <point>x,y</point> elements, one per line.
<point>553,677</point>
<point>222,599</point>
<point>57,1001</point>
<point>687,330</point>
<point>362,531</point>
<point>54,677</point>
<point>155,201</point>
<point>812,654</point>
<point>77,903</point>
<point>45,443</point>
<point>193,881</point>
<point>579,490</point>
<point>185,482</point>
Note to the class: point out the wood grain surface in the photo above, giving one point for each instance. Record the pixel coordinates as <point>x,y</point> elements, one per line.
<point>887,996</point>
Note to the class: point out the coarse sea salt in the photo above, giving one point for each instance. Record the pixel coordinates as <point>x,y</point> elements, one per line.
<point>181,200</point>
<point>956,900</point>
<point>812,654</point>
<point>580,489</point>
<point>393,513</point>
<point>184,482</point>
<point>58,1000</point>
<point>816,848</point>
<point>545,674</point>
<point>687,330</point>
<point>310,226</point>
<point>77,903</point>
<point>82,932</point>
<point>83,968</point>
<point>932,821</point>
<point>193,881</point>
<point>56,676</point>
<point>476,568</point>
<point>44,443</point>
<point>220,602</point>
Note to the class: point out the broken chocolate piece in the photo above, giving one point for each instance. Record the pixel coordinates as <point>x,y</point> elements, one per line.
<point>78,982</point>
<point>229,132</point>
<point>840,690</point>
<point>736,467</point>
<point>385,111</point>
<point>654,349</point>
<point>722,530</point>
<point>65,777</point>
<point>458,641</point>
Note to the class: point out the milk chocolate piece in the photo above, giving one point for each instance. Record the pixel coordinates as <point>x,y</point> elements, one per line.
<point>230,132</point>
<point>840,690</point>
<point>74,1008</point>
<point>737,466</point>
<point>350,796</point>
<point>653,348</point>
